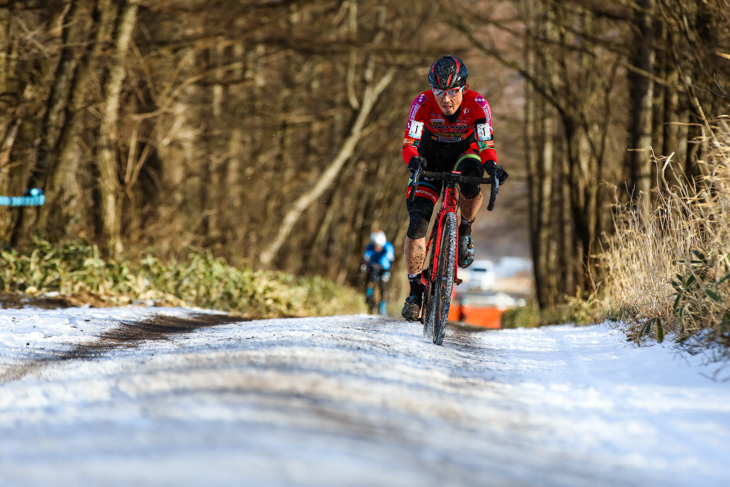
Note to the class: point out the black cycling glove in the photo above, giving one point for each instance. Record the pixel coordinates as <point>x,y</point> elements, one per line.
<point>491,167</point>
<point>416,162</point>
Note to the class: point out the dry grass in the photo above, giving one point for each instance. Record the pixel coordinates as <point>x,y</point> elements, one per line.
<point>671,274</point>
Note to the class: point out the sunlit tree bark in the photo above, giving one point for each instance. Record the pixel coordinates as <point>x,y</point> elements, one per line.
<point>74,30</point>
<point>107,163</point>
<point>64,210</point>
<point>639,160</point>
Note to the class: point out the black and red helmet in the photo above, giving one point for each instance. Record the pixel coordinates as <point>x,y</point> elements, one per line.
<point>447,72</point>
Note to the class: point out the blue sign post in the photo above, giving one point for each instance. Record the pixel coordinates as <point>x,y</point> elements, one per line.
<point>31,197</point>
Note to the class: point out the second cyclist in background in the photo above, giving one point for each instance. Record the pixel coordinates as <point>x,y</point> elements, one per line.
<point>377,259</point>
<point>449,129</point>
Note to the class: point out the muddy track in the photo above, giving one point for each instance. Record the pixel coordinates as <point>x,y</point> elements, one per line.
<point>130,335</point>
<point>126,335</point>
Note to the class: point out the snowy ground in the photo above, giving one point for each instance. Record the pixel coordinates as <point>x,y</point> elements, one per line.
<point>88,397</point>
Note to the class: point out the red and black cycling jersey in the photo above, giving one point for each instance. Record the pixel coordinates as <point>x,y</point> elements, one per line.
<point>470,128</point>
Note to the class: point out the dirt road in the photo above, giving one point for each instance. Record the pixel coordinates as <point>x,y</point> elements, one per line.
<point>209,400</point>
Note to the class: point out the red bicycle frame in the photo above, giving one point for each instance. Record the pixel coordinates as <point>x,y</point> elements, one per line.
<point>449,204</point>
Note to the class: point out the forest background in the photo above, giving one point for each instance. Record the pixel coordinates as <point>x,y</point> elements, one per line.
<point>269,132</point>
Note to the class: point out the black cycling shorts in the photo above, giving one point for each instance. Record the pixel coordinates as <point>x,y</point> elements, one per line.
<point>429,191</point>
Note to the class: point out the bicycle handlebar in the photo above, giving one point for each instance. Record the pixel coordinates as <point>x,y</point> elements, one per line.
<point>456,178</point>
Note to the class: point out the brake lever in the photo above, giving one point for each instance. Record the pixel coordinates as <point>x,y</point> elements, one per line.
<point>414,185</point>
<point>493,192</point>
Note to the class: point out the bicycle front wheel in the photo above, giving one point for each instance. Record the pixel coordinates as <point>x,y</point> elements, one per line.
<point>444,282</point>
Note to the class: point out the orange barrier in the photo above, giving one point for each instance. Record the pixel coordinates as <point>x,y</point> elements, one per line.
<point>486,316</point>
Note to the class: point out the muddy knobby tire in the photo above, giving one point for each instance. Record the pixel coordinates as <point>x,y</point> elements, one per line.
<point>439,292</point>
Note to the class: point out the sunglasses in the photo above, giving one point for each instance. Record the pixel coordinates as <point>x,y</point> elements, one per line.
<point>452,92</point>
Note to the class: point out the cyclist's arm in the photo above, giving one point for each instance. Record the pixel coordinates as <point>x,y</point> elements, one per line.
<point>485,141</point>
<point>484,131</point>
<point>485,146</point>
<point>369,250</point>
<point>414,129</point>
<point>390,251</point>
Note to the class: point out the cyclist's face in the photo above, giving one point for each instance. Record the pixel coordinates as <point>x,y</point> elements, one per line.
<point>449,101</point>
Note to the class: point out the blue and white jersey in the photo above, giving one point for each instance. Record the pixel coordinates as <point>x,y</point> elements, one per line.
<point>384,258</point>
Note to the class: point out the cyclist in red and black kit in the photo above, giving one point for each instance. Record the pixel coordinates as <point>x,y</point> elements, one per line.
<point>449,128</point>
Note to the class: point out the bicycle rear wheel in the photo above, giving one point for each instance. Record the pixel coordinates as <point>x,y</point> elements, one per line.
<point>440,289</point>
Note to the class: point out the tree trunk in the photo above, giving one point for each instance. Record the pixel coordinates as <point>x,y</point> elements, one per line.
<point>642,93</point>
<point>107,165</point>
<point>63,189</point>
<point>567,240</point>
<point>57,103</point>
<point>6,146</point>
<point>546,263</point>
<point>7,85</point>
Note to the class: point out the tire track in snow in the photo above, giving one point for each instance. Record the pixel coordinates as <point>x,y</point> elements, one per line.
<point>125,335</point>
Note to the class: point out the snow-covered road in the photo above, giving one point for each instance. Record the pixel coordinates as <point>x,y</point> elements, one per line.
<point>124,397</point>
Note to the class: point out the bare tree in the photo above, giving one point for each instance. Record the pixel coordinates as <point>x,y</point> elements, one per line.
<point>639,161</point>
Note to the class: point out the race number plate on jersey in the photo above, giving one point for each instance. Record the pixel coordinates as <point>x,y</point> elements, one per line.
<point>483,132</point>
<point>416,130</point>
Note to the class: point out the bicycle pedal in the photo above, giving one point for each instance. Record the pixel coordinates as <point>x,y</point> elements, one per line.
<point>458,281</point>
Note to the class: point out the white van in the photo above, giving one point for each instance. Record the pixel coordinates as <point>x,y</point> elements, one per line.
<point>480,275</point>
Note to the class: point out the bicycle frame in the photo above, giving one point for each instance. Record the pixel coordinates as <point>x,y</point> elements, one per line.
<point>450,204</point>
<point>373,288</point>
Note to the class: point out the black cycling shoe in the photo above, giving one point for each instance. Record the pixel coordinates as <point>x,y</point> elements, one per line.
<point>412,308</point>
<point>466,251</point>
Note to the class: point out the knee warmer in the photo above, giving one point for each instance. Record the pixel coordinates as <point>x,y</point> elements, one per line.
<point>418,226</point>
<point>419,213</point>
<point>472,167</point>
<point>470,191</point>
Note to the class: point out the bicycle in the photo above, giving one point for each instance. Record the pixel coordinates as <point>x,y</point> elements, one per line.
<point>375,280</point>
<point>441,273</point>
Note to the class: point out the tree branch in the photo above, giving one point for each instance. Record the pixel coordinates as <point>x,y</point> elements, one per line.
<point>328,176</point>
